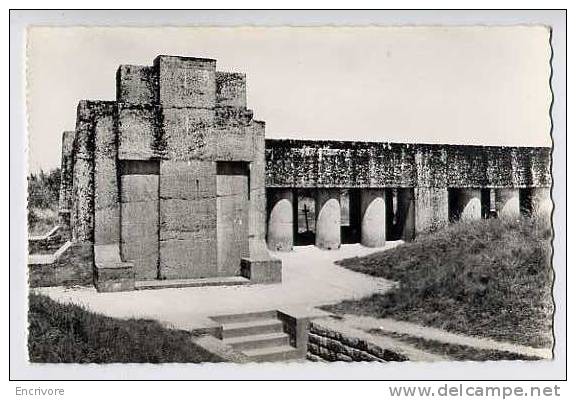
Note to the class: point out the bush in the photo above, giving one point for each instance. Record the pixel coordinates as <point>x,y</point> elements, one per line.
<point>44,189</point>
<point>43,195</point>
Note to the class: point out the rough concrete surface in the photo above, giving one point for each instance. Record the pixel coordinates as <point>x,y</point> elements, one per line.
<point>281,220</point>
<point>507,202</point>
<point>373,217</point>
<point>327,163</point>
<point>328,219</point>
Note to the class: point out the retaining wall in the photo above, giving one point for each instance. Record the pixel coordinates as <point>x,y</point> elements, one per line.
<point>330,342</point>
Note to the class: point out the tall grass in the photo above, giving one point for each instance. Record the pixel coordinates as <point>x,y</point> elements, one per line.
<point>43,194</point>
<point>60,333</point>
<point>487,278</point>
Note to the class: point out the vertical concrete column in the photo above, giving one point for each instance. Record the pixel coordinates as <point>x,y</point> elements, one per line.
<point>507,202</point>
<point>66,177</point>
<point>328,219</point>
<point>431,208</point>
<point>542,203</point>
<point>468,204</point>
<point>257,213</point>
<point>259,267</point>
<point>373,217</point>
<point>280,219</point>
<point>83,176</point>
<point>106,196</point>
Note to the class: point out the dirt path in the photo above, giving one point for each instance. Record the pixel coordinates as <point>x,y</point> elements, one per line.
<point>394,326</point>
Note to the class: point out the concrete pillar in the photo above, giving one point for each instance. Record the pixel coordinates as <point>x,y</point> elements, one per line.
<point>280,219</point>
<point>259,267</point>
<point>328,219</point>
<point>82,218</point>
<point>373,217</point>
<point>542,203</point>
<point>507,202</point>
<point>66,177</point>
<point>431,208</point>
<point>468,204</point>
<point>106,196</point>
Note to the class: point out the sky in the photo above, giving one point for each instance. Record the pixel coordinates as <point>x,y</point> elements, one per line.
<point>457,85</point>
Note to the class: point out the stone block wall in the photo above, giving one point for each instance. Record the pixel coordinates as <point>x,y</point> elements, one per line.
<point>138,136</point>
<point>106,197</point>
<point>144,182</point>
<point>231,89</point>
<point>139,182</point>
<point>186,82</point>
<point>73,267</point>
<point>48,243</point>
<point>82,215</point>
<point>328,341</point>
<point>232,183</point>
<point>136,84</point>
<point>188,246</point>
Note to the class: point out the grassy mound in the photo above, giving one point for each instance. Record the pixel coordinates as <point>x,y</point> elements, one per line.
<point>487,278</point>
<point>70,334</point>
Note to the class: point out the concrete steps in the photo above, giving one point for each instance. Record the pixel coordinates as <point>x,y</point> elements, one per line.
<point>251,328</point>
<point>277,353</point>
<point>245,317</point>
<point>252,342</point>
<point>258,335</point>
<point>183,283</point>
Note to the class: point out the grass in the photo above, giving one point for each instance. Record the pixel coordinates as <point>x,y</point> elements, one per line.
<point>41,220</point>
<point>61,333</point>
<point>43,194</point>
<point>488,278</point>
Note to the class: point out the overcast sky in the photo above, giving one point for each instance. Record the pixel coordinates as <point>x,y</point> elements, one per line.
<point>427,84</point>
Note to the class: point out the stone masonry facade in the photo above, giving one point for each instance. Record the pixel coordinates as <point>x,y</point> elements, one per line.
<point>167,182</point>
